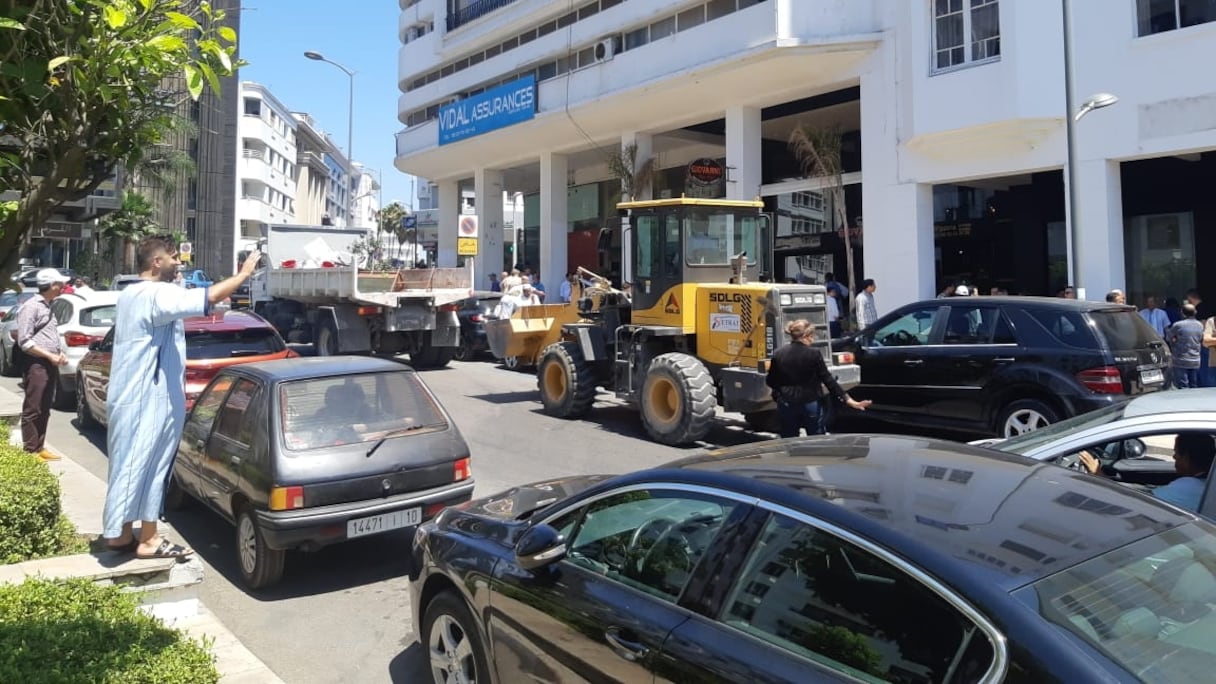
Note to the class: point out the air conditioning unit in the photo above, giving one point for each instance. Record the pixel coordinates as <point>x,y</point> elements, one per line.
<point>605,50</point>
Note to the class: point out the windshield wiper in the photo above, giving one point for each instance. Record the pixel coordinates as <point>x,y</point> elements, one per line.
<point>389,435</point>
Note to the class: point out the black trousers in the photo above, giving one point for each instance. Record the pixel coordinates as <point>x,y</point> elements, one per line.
<point>41,377</point>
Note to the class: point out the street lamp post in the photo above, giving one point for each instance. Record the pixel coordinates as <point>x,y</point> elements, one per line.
<point>350,110</point>
<point>1073,115</point>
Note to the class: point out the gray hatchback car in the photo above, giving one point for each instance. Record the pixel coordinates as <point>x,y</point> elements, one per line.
<point>307,452</point>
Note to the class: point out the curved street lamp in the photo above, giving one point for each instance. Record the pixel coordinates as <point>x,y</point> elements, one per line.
<point>350,112</point>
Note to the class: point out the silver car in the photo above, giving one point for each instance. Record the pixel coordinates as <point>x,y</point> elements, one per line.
<point>82,320</point>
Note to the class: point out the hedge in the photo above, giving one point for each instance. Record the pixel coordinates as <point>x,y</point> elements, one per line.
<point>77,631</point>
<point>32,524</point>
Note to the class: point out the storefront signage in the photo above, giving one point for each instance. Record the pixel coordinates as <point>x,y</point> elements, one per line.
<point>705,171</point>
<point>798,242</point>
<point>508,104</point>
<point>70,230</point>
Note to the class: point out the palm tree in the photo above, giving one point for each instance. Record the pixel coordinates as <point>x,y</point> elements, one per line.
<point>132,221</point>
<point>818,151</point>
<point>390,220</point>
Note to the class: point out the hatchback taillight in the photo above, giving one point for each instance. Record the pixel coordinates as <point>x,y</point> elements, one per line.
<point>79,339</point>
<point>476,318</point>
<point>286,498</point>
<point>199,374</point>
<point>1104,380</point>
<point>461,470</point>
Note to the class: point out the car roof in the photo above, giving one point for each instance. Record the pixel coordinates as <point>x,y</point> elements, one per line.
<point>308,367</point>
<point>233,319</point>
<point>1078,305</point>
<point>954,509</point>
<point>1189,401</point>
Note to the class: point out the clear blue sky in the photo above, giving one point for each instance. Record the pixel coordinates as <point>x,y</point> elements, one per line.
<point>359,34</point>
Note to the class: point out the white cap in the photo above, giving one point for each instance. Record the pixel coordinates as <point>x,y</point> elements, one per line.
<point>49,276</point>
<point>962,291</point>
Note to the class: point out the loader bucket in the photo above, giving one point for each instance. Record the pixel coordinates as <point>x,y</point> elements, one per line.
<point>526,334</point>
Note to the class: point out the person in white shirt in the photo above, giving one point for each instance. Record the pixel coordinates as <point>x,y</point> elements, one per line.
<point>1155,317</point>
<point>81,286</point>
<point>867,312</point>
<point>833,317</point>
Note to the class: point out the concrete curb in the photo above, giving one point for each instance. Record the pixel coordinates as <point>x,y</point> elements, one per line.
<point>171,588</point>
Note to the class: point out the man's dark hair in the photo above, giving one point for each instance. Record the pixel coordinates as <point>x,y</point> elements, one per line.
<point>1189,311</point>
<point>1193,293</point>
<point>150,247</point>
<point>866,283</point>
<point>1199,448</point>
<point>829,276</point>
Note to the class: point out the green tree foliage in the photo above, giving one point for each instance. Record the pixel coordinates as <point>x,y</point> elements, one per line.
<point>388,221</point>
<point>82,90</point>
<point>126,226</point>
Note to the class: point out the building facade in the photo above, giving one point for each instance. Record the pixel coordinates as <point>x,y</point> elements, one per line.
<point>267,173</point>
<point>950,117</point>
<point>365,204</point>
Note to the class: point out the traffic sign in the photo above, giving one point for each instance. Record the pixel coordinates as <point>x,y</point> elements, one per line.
<point>466,246</point>
<point>409,222</point>
<point>185,248</point>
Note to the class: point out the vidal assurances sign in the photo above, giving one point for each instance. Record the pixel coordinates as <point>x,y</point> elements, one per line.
<point>507,104</point>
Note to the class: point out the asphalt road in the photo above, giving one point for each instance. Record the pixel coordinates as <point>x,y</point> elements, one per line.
<point>342,614</point>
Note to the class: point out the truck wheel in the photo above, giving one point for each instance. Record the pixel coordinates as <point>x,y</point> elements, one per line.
<point>567,384</point>
<point>678,399</point>
<point>327,338</point>
<point>261,566</point>
<point>431,357</point>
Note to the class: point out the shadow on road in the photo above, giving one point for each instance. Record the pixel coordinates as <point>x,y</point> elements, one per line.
<point>410,666</point>
<point>334,568</point>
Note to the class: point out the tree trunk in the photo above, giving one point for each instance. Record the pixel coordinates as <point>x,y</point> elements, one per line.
<point>843,214</point>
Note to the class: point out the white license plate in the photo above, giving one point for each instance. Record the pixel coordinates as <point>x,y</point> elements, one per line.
<point>1151,377</point>
<point>375,524</point>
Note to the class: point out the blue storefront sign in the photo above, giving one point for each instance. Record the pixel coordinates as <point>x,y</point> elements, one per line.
<point>496,108</point>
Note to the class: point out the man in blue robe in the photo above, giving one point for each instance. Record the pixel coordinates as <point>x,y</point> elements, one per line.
<point>146,400</point>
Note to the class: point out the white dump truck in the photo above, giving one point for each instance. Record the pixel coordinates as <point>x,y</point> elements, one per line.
<point>312,288</point>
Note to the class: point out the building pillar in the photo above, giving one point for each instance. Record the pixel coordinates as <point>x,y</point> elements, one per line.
<point>897,238</point>
<point>645,145</point>
<point>743,146</point>
<point>487,187</point>
<point>449,222</point>
<point>1100,220</point>
<point>554,230</point>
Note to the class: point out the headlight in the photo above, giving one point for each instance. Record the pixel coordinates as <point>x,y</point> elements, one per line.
<point>821,299</point>
<point>786,300</point>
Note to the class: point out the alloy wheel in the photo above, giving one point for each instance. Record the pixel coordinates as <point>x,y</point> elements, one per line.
<point>451,653</point>
<point>247,540</point>
<point>1024,420</point>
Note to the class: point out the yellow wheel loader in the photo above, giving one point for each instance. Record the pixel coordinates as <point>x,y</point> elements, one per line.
<point>696,331</point>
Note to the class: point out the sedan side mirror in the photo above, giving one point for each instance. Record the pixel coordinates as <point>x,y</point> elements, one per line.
<point>539,546</point>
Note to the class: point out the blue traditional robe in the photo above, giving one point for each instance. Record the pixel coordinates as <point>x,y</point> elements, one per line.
<point>146,399</point>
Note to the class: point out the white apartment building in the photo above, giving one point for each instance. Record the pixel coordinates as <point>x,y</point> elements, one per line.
<point>952,115</point>
<point>365,203</point>
<point>266,168</point>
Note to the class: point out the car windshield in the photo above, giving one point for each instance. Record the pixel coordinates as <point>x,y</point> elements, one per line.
<point>224,344</point>
<point>1149,606</point>
<point>355,409</point>
<point>1030,441</point>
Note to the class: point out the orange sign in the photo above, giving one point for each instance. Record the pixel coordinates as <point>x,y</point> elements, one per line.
<point>672,306</point>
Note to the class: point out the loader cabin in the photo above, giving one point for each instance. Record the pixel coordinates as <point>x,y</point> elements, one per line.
<point>680,242</point>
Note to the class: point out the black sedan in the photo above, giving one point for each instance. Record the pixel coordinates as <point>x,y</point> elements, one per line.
<point>306,452</point>
<point>850,558</point>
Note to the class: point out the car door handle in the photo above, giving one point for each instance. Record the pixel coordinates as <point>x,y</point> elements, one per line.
<point>913,362</point>
<point>1004,359</point>
<point>629,650</point>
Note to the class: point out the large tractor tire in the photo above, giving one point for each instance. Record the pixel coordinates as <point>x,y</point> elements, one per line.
<point>566,381</point>
<point>430,356</point>
<point>678,399</point>
<point>326,338</point>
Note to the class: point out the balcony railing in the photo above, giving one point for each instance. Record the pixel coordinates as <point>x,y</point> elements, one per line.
<point>473,11</point>
<point>251,153</point>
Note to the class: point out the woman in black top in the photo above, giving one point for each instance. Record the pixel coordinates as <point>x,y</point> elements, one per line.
<point>796,374</point>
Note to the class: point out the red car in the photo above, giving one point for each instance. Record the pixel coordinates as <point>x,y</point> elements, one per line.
<point>212,343</point>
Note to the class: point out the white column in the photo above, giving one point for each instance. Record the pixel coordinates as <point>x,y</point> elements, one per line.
<point>554,205</point>
<point>487,186</point>
<point>1100,219</point>
<point>743,153</point>
<point>645,143</point>
<point>449,221</point>
<point>897,239</point>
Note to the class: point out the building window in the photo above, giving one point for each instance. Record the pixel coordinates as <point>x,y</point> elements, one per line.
<point>1157,16</point>
<point>253,106</point>
<point>965,32</point>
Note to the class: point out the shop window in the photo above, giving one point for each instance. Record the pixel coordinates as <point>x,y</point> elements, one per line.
<point>1160,255</point>
<point>1158,16</point>
<point>965,32</point>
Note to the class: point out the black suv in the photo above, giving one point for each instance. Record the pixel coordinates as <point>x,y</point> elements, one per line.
<point>473,313</point>
<point>1003,365</point>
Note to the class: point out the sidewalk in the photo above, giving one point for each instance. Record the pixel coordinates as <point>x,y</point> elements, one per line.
<point>83,495</point>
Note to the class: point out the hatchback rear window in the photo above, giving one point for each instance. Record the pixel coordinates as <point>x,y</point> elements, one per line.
<point>225,344</point>
<point>1124,330</point>
<point>354,409</point>
<point>99,316</point>
<point>1149,606</point>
